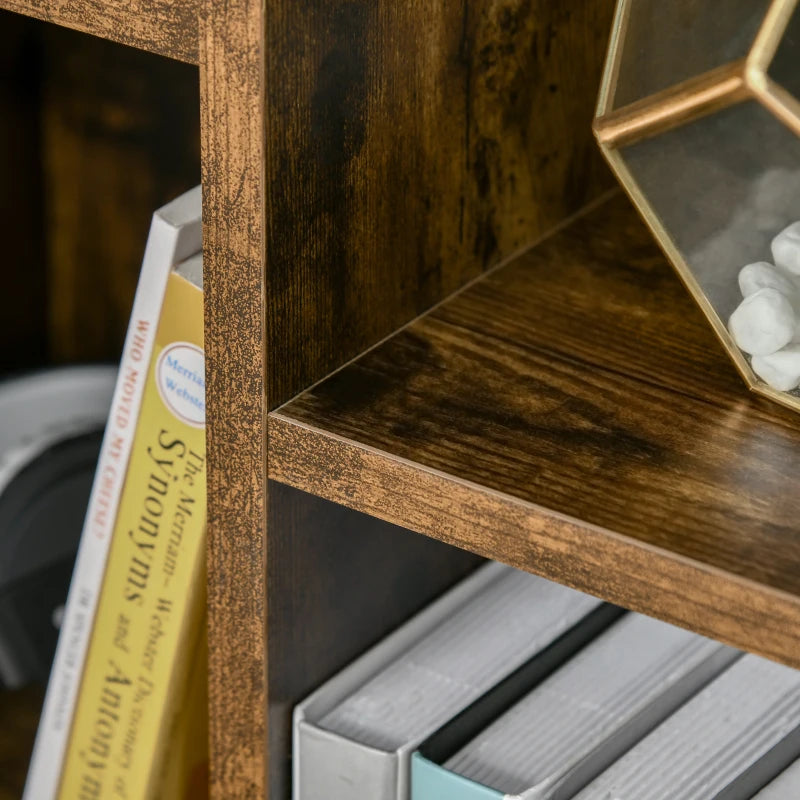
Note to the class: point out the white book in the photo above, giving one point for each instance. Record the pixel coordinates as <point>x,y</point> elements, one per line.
<point>354,736</point>
<point>727,742</point>
<point>175,234</point>
<point>46,407</point>
<point>583,717</point>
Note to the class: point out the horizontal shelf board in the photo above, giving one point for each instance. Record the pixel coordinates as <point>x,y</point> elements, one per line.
<point>166,27</point>
<point>572,414</point>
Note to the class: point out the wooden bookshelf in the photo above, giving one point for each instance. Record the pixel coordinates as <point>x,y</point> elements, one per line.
<point>373,426</point>
<point>165,27</point>
<point>19,715</point>
<point>572,414</point>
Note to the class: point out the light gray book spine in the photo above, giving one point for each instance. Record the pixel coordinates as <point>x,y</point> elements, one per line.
<point>726,743</point>
<point>354,736</point>
<point>592,710</point>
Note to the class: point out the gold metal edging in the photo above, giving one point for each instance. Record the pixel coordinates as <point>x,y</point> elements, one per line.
<point>767,91</point>
<point>785,399</point>
<point>673,254</point>
<point>770,34</point>
<point>786,108</point>
<point>608,85</point>
<point>689,100</point>
<point>698,96</point>
<point>776,100</point>
<point>651,219</point>
<point>685,102</point>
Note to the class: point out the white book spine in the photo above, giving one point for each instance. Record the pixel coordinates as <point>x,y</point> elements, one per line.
<point>174,229</point>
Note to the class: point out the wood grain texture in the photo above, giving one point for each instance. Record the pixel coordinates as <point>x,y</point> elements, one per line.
<point>232,133</point>
<point>120,138</point>
<point>19,717</point>
<point>338,582</point>
<point>571,414</point>
<point>403,149</point>
<point>411,146</point>
<point>166,27</point>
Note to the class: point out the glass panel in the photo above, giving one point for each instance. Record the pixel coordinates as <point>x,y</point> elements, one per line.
<point>785,67</point>
<point>724,186</point>
<point>669,42</point>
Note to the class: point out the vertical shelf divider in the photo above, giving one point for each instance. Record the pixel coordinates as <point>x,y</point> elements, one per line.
<point>361,162</point>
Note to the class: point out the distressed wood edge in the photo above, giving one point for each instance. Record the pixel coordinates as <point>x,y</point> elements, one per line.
<point>232,73</point>
<point>637,575</point>
<point>143,32</point>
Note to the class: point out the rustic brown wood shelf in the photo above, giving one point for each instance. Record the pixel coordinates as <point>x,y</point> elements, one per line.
<point>19,715</point>
<point>571,414</point>
<point>568,412</point>
<point>166,27</point>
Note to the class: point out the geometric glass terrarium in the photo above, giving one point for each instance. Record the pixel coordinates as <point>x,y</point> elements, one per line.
<point>699,117</point>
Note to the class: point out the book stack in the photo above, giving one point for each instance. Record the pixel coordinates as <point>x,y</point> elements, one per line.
<point>355,736</point>
<point>125,711</point>
<point>513,688</point>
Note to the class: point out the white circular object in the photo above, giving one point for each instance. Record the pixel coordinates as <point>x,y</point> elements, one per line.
<point>763,323</point>
<point>763,275</point>
<point>181,382</point>
<point>780,370</point>
<point>42,408</point>
<point>786,249</point>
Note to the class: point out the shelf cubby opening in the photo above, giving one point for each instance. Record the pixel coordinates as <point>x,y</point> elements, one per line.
<point>94,137</point>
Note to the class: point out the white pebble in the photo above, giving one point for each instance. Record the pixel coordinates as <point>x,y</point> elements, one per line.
<point>780,370</point>
<point>763,323</point>
<point>762,275</point>
<point>786,249</point>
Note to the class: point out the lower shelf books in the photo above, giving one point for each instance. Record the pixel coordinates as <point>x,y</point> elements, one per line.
<point>513,688</point>
<point>353,738</point>
<point>562,733</point>
<point>726,743</point>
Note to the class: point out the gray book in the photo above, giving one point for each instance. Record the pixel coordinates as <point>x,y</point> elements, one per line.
<point>567,730</point>
<point>726,743</point>
<point>354,736</point>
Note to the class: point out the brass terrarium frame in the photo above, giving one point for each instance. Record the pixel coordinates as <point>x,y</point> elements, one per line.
<point>712,91</point>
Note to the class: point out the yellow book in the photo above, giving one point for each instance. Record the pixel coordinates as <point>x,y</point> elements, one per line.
<point>185,773</point>
<point>148,630</point>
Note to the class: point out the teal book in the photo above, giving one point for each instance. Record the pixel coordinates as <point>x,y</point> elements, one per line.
<point>429,780</point>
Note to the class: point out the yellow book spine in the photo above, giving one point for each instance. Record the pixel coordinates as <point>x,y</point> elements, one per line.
<point>185,772</point>
<point>151,609</point>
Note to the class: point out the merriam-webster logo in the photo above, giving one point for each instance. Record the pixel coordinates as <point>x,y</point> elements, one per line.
<point>181,381</point>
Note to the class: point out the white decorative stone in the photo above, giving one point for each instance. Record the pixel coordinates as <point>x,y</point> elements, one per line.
<point>763,275</point>
<point>780,370</point>
<point>786,249</point>
<point>763,323</point>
